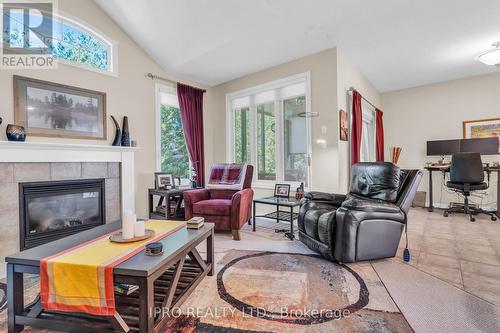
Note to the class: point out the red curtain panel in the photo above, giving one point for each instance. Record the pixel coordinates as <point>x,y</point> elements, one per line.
<point>357,125</point>
<point>379,144</point>
<point>191,106</point>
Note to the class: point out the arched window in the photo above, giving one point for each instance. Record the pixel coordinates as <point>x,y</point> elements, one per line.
<point>73,42</point>
<point>76,43</point>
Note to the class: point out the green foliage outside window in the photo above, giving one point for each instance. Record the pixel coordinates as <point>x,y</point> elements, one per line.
<point>174,155</point>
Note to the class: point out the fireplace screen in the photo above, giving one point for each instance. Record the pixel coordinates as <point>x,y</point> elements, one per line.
<point>51,210</point>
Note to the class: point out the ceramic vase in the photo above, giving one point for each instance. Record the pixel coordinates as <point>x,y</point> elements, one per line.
<point>125,133</point>
<point>15,133</point>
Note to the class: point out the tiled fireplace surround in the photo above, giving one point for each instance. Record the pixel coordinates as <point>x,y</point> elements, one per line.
<point>59,162</point>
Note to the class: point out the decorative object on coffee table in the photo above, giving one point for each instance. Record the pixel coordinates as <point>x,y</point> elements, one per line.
<point>282,190</point>
<point>118,238</point>
<point>57,110</point>
<point>117,141</point>
<point>154,249</point>
<point>15,133</point>
<point>125,133</point>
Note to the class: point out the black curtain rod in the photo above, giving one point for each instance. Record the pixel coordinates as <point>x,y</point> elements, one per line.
<point>157,77</point>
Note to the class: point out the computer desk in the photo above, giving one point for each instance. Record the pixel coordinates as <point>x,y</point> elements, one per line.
<point>446,168</point>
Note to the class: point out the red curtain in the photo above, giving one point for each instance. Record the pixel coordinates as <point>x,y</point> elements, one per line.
<point>379,143</point>
<point>191,106</point>
<point>357,125</point>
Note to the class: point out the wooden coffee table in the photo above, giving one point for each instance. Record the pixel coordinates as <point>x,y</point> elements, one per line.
<point>164,281</point>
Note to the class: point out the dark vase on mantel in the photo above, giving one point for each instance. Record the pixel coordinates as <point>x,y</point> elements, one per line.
<point>125,133</point>
<point>15,133</point>
<point>118,133</point>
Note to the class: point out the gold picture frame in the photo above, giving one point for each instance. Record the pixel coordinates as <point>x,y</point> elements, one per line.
<point>56,110</point>
<point>481,128</point>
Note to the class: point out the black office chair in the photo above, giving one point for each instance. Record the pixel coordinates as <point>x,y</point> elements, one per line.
<point>466,176</point>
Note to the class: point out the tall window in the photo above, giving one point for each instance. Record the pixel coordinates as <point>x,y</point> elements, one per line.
<point>266,129</point>
<point>173,156</point>
<point>72,42</point>
<point>368,152</point>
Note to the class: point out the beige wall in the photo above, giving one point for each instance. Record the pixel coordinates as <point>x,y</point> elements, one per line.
<point>128,94</point>
<point>432,112</point>
<point>350,76</point>
<point>322,67</point>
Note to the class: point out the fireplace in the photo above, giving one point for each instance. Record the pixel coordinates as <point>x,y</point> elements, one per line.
<point>55,209</point>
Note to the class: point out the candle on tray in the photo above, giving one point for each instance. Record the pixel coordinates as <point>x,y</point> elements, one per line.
<point>128,223</point>
<point>139,228</point>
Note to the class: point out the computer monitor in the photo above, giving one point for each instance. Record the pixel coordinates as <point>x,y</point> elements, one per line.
<point>442,147</point>
<point>484,146</point>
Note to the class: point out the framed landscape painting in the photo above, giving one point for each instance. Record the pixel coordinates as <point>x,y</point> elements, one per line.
<point>482,128</point>
<point>57,110</point>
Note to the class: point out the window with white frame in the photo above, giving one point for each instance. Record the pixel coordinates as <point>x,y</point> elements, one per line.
<point>266,129</point>
<point>368,152</point>
<point>172,154</point>
<point>73,42</point>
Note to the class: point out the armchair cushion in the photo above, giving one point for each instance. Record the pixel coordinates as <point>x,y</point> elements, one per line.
<point>376,180</point>
<point>227,176</point>
<point>213,207</point>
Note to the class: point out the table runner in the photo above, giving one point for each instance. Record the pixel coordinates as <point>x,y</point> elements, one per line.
<point>80,279</point>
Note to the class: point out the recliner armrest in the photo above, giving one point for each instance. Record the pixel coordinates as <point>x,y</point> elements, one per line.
<point>327,198</point>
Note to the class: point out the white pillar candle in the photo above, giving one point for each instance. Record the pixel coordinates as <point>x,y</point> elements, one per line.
<point>139,228</point>
<point>128,223</point>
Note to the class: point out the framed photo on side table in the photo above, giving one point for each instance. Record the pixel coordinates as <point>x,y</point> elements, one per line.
<point>482,128</point>
<point>164,181</point>
<point>57,110</point>
<point>282,190</point>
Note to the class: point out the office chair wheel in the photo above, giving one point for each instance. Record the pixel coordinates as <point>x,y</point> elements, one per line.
<point>472,219</point>
<point>493,218</point>
<point>445,214</point>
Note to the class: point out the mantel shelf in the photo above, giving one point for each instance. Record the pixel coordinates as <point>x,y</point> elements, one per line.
<point>62,146</point>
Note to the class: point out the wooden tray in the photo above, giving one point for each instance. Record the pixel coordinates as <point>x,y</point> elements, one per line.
<point>117,238</point>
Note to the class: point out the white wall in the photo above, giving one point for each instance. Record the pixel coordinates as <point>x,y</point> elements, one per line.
<point>323,69</point>
<point>350,76</point>
<point>128,94</point>
<point>432,112</point>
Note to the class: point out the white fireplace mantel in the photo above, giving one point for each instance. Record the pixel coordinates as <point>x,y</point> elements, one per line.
<point>46,152</point>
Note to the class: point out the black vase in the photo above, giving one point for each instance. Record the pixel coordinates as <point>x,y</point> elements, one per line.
<point>125,133</point>
<point>118,133</point>
<point>15,133</point>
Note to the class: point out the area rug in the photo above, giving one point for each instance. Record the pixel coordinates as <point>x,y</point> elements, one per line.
<point>278,292</point>
<point>285,292</point>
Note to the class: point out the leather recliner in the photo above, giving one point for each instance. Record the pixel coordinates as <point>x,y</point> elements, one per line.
<point>366,223</point>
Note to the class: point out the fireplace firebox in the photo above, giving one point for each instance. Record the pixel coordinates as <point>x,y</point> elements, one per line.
<point>55,209</point>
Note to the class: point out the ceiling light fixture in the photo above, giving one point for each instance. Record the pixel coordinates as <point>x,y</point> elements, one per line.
<point>491,57</point>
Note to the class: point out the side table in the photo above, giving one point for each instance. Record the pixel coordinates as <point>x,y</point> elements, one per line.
<point>172,209</point>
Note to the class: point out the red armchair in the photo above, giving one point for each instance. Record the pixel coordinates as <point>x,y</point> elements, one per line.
<point>229,209</point>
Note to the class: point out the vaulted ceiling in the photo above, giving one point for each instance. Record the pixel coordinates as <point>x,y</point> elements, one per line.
<point>395,43</point>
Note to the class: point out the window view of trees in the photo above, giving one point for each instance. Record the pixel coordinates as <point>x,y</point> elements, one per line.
<point>266,141</point>
<point>68,42</point>
<point>242,135</point>
<point>174,155</point>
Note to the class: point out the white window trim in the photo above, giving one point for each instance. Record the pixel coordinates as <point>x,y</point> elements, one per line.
<point>163,88</point>
<point>230,149</point>
<point>84,26</point>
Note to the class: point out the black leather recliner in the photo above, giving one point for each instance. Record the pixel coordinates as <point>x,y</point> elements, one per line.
<point>367,222</point>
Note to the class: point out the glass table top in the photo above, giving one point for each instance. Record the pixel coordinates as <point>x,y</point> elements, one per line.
<point>291,202</point>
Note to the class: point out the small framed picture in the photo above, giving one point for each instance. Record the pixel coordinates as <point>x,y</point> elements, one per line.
<point>282,190</point>
<point>164,181</point>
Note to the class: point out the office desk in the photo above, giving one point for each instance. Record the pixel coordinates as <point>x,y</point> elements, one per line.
<point>446,168</point>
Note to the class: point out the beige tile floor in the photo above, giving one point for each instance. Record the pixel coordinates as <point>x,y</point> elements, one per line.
<point>464,253</point>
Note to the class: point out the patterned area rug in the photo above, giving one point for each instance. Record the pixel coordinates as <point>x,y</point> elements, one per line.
<point>278,292</point>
